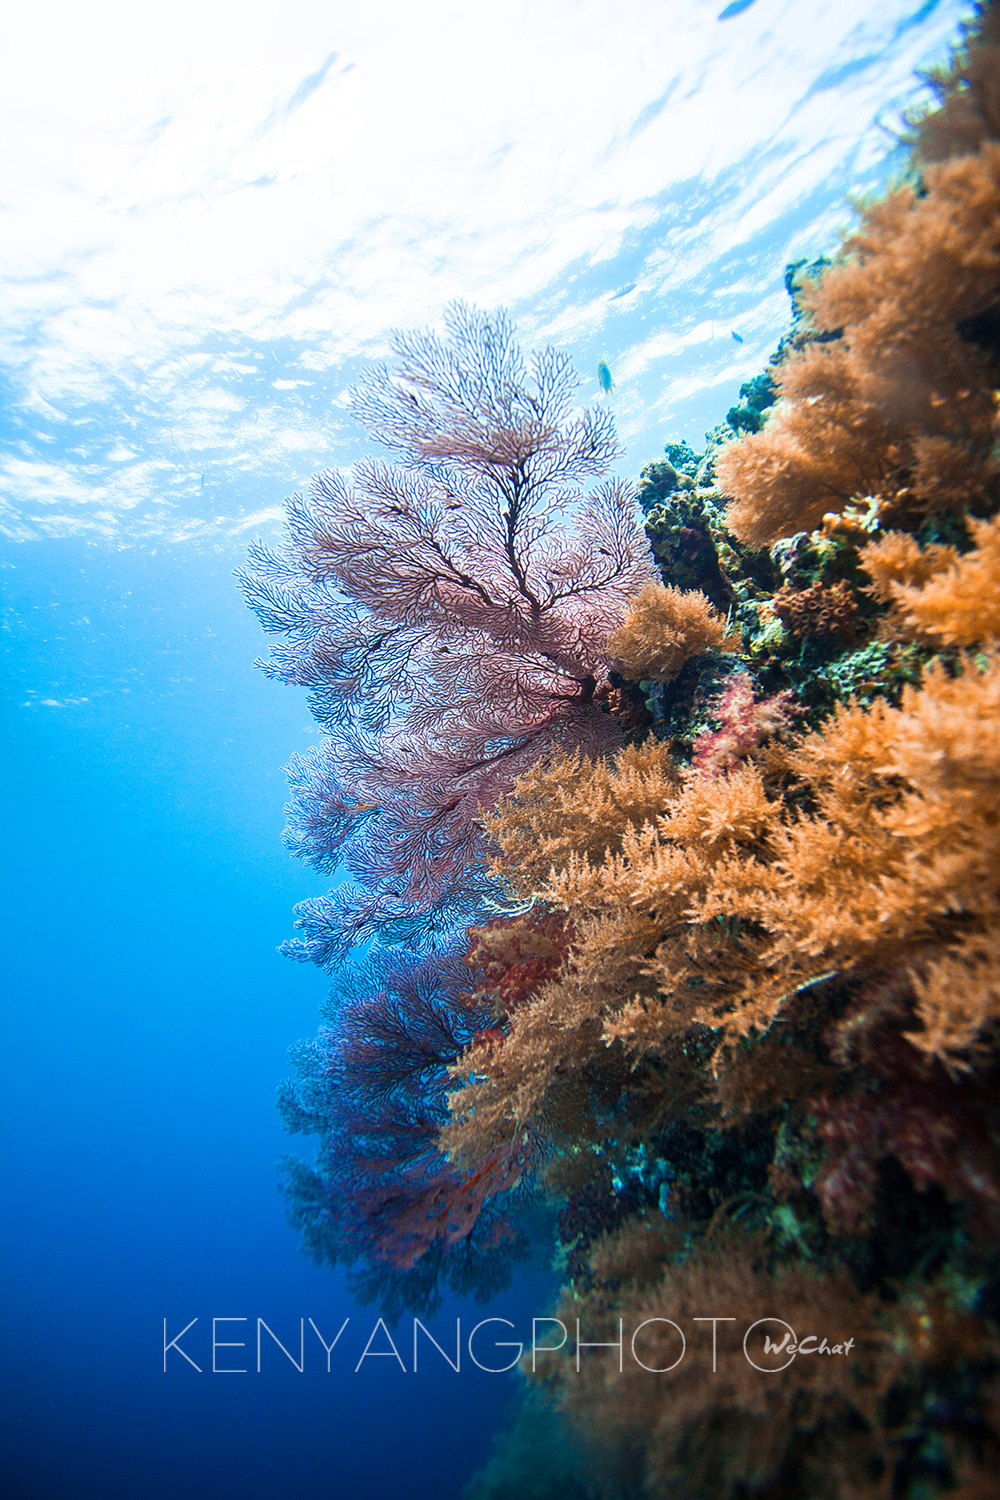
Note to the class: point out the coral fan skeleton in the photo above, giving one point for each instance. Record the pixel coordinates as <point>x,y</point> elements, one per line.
<point>678,853</point>
<point>448,617</point>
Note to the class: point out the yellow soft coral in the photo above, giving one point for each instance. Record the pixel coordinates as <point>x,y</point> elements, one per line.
<point>959,603</point>
<point>958,996</point>
<point>713,900</point>
<point>898,558</point>
<point>901,405</point>
<point>665,628</point>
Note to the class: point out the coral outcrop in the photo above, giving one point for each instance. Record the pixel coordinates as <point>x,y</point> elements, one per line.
<point>766,1074</point>
<point>698,875</point>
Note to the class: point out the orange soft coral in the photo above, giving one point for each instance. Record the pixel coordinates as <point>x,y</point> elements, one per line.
<point>665,628</point>
<point>902,405</point>
<point>941,597</point>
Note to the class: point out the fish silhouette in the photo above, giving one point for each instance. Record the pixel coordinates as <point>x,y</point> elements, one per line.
<point>737,336</point>
<point>604,376</point>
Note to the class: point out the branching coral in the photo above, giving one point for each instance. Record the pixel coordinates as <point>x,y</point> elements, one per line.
<point>957,998</point>
<point>780,994</point>
<point>565,806</point>
<point>625,899</point>
<point>799,934</point>
<point>897,559</point>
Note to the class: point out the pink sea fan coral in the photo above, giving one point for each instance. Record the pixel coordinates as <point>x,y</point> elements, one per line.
<point>449,615</point>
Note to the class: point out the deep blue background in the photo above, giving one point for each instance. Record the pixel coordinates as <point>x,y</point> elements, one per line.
<point>146,1019</point>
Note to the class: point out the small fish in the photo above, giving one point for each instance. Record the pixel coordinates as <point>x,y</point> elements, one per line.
<point>737,336</point>
<point>604,377</point>
<point>735,9</point>
<point>623,291</point>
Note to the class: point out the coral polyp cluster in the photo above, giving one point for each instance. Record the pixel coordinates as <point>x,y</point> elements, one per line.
<point>817,609</point>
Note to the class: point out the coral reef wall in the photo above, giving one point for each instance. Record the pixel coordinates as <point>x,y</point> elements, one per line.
<point>679,855</point>
<point>765,1077</point>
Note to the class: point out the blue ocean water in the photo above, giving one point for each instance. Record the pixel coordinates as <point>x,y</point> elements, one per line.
<point>145,1026</point>
<point>146,1011</point>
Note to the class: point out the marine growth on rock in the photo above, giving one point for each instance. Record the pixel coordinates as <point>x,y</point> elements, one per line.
<point>677,837</point>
